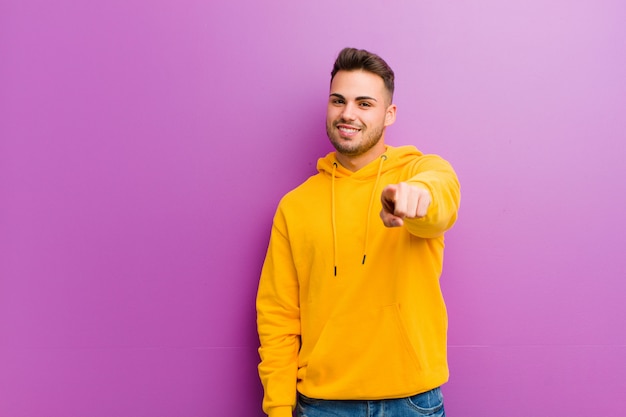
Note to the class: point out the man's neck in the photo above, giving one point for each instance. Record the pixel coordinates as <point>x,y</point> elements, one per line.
<point>355,163</point>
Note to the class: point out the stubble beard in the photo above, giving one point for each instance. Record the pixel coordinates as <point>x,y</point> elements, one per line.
<point>354,148</point>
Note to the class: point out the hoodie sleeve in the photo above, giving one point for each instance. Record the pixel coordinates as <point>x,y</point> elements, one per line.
<point>437,175</point>
<point>278,323</point>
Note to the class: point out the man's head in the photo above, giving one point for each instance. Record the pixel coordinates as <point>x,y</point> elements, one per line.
<point>359,107</point>
<point>352,59</point>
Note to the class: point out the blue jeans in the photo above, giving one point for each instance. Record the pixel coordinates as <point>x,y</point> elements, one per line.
<point>429,403</point>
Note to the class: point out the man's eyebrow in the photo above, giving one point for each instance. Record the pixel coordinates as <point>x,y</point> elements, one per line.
<point>359,98</point>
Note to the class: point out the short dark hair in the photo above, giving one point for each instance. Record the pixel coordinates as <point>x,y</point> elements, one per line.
<point>352,59</point>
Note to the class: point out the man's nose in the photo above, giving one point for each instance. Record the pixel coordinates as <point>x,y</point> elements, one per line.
<point>348,112</point>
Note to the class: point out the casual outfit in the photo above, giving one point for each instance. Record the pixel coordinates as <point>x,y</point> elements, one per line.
<point>348,309</point>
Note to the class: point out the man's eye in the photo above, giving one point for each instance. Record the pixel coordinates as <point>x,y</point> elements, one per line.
<point>337,101</point>
<point>364,104</point>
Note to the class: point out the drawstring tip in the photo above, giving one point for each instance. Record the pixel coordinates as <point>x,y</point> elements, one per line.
<point>363,261</point>
<point>335,270</point>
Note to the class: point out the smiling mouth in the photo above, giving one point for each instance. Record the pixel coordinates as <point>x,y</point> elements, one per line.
<point>348,130</point>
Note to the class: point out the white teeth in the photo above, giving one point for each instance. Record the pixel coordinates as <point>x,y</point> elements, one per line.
<point>348,130</point>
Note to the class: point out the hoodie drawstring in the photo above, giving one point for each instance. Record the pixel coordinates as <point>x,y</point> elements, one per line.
<point>383,158</point>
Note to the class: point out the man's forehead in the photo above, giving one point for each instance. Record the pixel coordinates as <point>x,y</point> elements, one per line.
<point>357,83</point>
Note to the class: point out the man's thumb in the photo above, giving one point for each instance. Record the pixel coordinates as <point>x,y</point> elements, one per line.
<point>388,198</point>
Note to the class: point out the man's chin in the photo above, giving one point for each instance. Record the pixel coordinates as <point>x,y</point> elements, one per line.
<point>340,146</point>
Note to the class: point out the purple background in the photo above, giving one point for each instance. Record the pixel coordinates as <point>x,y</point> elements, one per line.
<point>144,146</point>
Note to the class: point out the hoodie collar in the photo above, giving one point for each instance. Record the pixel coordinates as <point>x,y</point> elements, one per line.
<point>394,156</point>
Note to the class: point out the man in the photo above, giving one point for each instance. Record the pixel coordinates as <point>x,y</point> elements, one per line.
<point>349,309</point>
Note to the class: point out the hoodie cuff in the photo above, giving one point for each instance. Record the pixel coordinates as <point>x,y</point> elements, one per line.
<point>280,412</point>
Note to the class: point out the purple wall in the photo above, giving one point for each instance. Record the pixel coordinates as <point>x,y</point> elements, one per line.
<point>144,147</point>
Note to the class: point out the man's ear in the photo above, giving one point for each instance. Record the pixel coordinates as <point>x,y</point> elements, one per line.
<point>390,115</point>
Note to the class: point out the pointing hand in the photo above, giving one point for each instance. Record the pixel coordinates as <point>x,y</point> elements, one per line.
<point>403,201</point>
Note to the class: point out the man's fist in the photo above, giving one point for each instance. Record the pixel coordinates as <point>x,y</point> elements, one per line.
<point>403,200</point>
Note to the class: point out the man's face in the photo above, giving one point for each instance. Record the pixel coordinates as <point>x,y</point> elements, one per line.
<point>358,111</point>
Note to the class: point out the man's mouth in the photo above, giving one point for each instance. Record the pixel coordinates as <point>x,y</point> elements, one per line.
<point>348,130</point>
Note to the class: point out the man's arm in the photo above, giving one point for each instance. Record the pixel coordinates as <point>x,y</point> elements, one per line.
<point>278,323</point>
<point>427,203</point>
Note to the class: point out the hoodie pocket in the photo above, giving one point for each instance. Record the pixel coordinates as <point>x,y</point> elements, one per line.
<point>365,354</point>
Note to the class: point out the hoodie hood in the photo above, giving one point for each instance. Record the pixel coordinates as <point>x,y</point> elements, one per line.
<point>395,156</point>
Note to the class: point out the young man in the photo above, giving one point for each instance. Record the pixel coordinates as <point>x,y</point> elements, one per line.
<point>350,313</point>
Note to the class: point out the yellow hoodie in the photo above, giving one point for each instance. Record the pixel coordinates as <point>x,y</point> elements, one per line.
<point>347,308</point>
